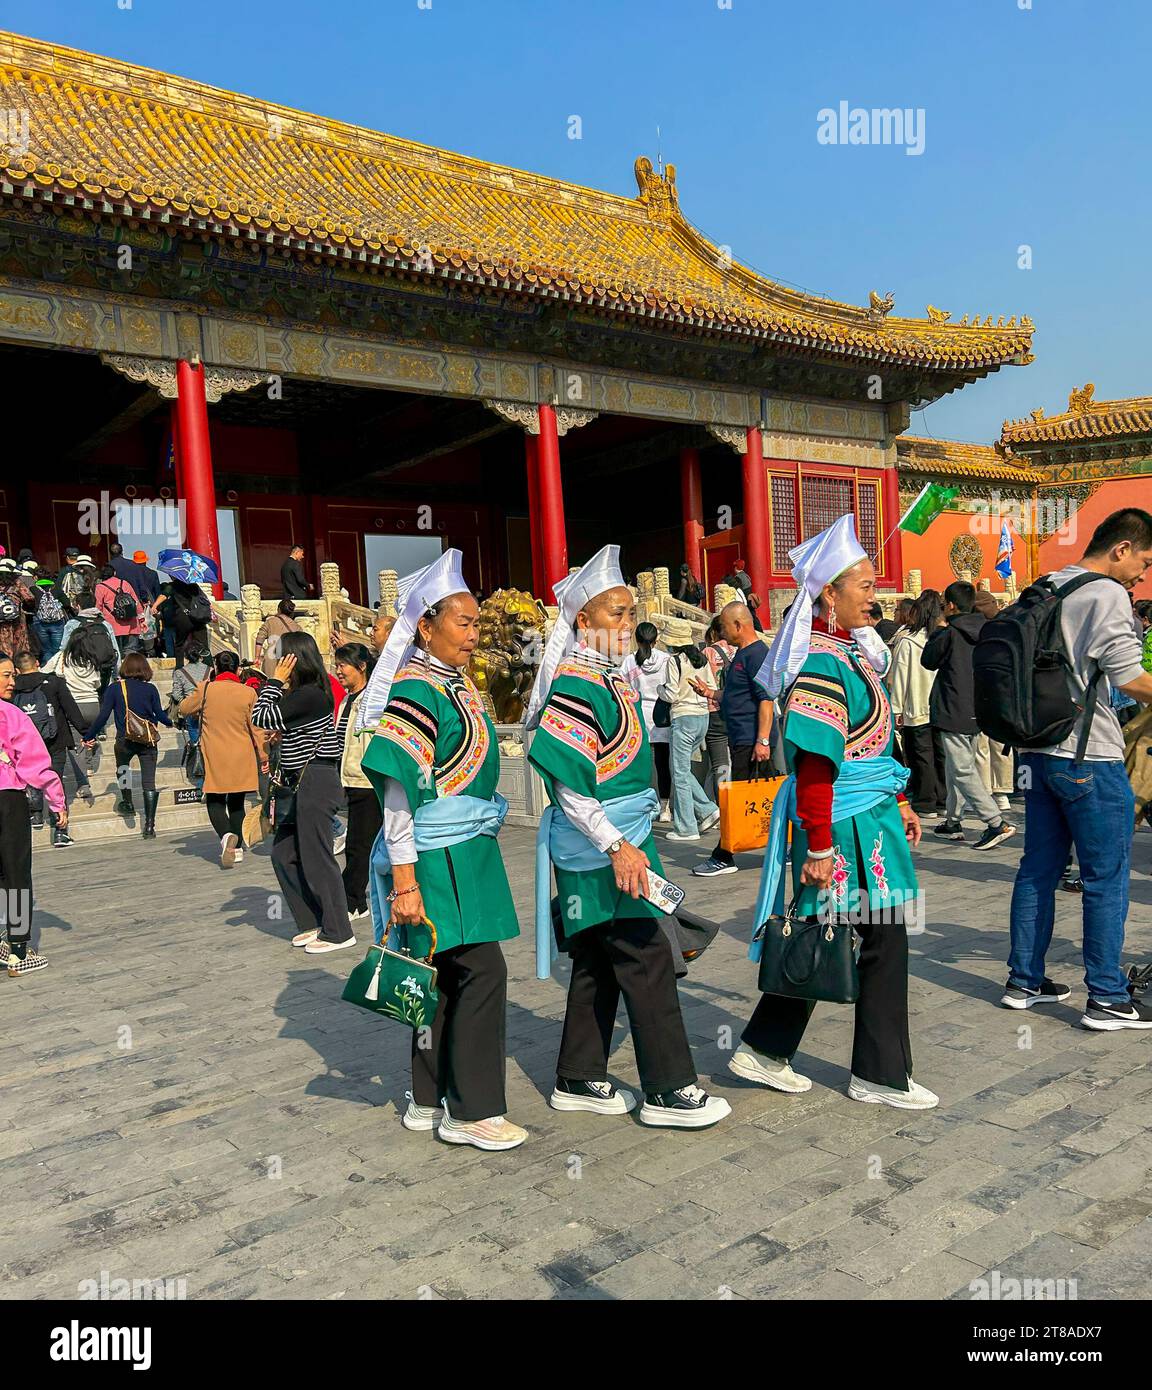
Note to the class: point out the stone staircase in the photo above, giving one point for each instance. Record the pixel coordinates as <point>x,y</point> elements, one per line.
<point>99,822</point>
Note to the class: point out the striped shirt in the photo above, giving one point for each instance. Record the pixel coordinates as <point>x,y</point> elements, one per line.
<point>304,720</point>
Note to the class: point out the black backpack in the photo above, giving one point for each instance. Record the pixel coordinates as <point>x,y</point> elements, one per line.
<point>1021,669</point>
<point>124,605</point>
<point>37,706</point>
<point>105,653</point>
<point>195,607</point>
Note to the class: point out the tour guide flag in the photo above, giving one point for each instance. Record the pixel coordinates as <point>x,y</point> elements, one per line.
<point>929,503</point>
<point>1004,554</point>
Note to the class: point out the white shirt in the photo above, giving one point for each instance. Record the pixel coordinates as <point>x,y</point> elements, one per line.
<point>646,680</point>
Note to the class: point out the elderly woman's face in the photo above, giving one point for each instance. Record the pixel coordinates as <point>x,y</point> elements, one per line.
<point>853,597</point>
<point>452,636</point>
<point>607,623</point>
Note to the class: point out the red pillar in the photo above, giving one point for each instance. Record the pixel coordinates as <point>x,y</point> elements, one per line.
<point>692,507</point>
<point>553,540</point>
<point>891,562</point>
<point>757,555</point>
<point>533,467</point>
<point>195,452</point>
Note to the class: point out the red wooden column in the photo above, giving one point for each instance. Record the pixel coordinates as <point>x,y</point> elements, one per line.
<point>533,466</point>
<point>553,539</point>
<point>692,507</point>
<point>195,453</point>
<point>756,538</point>
<point>892,561</point>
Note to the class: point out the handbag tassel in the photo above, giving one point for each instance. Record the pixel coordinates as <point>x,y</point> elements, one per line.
<point>373,990</point>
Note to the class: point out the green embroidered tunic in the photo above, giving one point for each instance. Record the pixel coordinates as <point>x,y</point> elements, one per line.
<point>591,738</point>
<point>838,707</point>
<point>436,740</point>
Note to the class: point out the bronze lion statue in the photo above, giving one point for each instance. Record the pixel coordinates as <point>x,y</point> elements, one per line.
<point>505,662</point>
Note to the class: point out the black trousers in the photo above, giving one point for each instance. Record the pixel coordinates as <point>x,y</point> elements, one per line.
<point>460,1059</point>
<point>881,1049</point>
<point>16,869</point>
<point>661,755</point>
<point>740,756</point>
<point>924,755</point>
<point>629,957</point>
<point>364,821</point>
<point>226,812</point>
<point>306,868</point>
<point>125,752</point>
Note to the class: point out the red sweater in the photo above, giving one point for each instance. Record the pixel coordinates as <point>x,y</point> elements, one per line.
<point>815,775</point>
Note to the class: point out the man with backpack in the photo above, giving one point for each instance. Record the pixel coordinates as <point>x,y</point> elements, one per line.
<point>45,699</point>
<point>122,610</point>
<point>1074,642</point>
<point>952,710</point>
<point>52,610</point>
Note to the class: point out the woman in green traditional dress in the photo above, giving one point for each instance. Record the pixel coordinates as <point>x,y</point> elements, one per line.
<point>434,762</point>
<point>591,748</point>
<point>852,826</point>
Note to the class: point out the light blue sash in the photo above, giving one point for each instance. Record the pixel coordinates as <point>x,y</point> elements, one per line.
<point>559,842</point>
<point>860,785</point>
<point>439,824</point>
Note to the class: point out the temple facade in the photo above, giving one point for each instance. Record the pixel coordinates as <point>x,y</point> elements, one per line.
<point>310,333</point>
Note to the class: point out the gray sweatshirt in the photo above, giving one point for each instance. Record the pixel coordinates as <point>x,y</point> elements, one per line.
<point>1097,625</point>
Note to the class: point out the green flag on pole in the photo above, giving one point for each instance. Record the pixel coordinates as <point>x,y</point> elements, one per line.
<point>927,506</point>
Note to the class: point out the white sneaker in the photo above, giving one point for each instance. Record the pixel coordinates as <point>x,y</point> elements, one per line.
<point>339,842</point>
<point>595,1097</point>
<point>239,854</point>
<point>675,835</point>
<point>766,1071</point>
<point>665,816</point>
<point>916,1097</point>
<point>688,1108</point>
<point>228,845</point>
<point>305,938</point>
<point>710,821</point>
<point>1002,802</point>
<point>494,1134</point>
<point>421,1117</point>
<point>317,947</point>
<point>360,916</point>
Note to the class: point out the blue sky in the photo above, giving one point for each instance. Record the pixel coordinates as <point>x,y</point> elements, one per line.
<point>1036,122</point>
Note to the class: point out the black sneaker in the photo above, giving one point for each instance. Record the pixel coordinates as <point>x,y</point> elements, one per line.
<point>596,1097</point>
<point>1018,997</point>
<point>949,830</point>
<point>995,835</point>
<point>687,1108</point>
<point>1111,1018</point>
<point>61,838</point>
<point>1072,885</point>
<point>37,820</point>
<point>713,868</point>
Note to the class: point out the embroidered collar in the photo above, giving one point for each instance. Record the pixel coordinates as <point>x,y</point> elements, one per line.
<point>447,675</point>
<point>840,634</point>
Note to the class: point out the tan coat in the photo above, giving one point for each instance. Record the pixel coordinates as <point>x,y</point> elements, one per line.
<point>232,747</point>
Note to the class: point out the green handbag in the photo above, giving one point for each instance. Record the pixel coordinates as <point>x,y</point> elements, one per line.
<point>808,958</point>
<point>396,983</point>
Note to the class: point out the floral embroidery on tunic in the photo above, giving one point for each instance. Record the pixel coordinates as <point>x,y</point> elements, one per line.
<point>876,863</point>
<point>839,876</point>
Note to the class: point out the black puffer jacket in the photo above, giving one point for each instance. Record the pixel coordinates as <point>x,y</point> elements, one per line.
<point>948,652</point>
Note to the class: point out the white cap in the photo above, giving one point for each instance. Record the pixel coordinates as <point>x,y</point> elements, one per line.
<point>573,593</point>
<point>418,592</point>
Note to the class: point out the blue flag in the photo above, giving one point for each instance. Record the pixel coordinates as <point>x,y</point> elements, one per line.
<point>1004,553</point>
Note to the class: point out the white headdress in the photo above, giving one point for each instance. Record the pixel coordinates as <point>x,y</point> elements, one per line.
<point>601,573</point>
<point>417,593</point>
<point>815,562</point>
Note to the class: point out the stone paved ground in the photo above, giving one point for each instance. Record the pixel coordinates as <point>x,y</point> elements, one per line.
<point>183,1095</point>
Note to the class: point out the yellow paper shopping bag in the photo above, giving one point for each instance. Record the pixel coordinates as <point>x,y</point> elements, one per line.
<point>746,811</point>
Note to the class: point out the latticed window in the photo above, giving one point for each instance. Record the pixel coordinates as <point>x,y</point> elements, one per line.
<point>868,517</point>
<point>784,532</point>
<point>825,501</point>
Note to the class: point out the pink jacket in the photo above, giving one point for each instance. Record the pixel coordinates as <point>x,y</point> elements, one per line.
<point>24,760</point>
<point>106,592</point>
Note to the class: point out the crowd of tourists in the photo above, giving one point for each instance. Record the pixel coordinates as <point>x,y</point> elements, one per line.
<point>864,726</point>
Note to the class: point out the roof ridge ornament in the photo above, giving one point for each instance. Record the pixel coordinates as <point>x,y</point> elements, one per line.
<point>1080,400</point>
<point>937,315</point>
<point>880,308</point>
<point>657,191</point>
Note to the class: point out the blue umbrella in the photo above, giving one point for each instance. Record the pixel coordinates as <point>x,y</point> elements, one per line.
<point>189,566</point>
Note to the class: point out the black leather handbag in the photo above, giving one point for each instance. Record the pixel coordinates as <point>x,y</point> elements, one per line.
<point>807,958</point>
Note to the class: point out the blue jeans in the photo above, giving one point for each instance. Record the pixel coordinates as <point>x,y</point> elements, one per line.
<point>49,635</point>
<point>689,802</point>
<point>1089,805</point>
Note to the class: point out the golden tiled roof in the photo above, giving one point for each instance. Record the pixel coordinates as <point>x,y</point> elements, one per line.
<point>128,140</point>
<point>1085,421</point>
<point>950,458</point>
